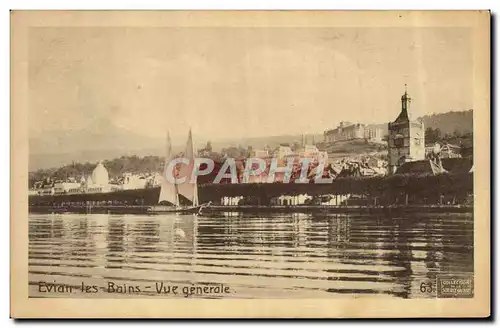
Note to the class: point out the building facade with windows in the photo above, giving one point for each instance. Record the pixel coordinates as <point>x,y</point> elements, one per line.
<point>62,188</point>
<point>406,141</point>
<point>348,131</point>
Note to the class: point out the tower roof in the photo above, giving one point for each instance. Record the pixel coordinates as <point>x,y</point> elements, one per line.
<point>405,104</point>
<point>402,117</point>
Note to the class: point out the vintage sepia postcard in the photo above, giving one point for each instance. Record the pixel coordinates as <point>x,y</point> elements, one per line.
<point>250,164</point>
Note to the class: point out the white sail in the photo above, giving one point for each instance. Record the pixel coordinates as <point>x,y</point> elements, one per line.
<point>168,190</point>
<point>188,189</point>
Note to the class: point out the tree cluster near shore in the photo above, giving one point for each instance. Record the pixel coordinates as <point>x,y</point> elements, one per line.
<point>116,168</point>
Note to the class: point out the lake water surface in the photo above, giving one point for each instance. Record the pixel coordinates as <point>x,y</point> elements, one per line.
<point>241,256</point>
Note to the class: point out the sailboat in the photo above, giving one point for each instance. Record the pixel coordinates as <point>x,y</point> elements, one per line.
<point>171,193</point>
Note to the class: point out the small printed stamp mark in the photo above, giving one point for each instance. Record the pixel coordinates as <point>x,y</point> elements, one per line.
<point>455,286</point>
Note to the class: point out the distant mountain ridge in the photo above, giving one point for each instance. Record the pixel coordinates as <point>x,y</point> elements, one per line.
<point>103,140</point>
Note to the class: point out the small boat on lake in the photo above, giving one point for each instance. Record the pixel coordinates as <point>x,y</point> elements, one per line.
<point>177,209</point>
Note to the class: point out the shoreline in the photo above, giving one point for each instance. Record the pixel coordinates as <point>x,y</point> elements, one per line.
<point>214,209</point>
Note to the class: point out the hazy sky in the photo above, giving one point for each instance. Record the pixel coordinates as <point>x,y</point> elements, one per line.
<point>242,81</point>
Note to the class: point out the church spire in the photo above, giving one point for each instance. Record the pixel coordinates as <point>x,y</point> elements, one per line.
<point>405,105</point>
<point>405,100</point>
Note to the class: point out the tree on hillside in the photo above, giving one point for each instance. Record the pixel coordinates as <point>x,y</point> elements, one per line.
<point>116,168</point>
<point>432,135</point>
<point>450,121</point>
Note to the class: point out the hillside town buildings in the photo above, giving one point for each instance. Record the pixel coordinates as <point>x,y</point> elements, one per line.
<point>406,153</point>
<point>284,154</point>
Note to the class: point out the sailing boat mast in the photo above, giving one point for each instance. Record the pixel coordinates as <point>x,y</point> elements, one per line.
<point>189,189</point>
<point>169,191</point>
<point>195,196</point>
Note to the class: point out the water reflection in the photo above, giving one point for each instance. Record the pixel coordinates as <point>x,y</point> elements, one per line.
<point>295,255</point>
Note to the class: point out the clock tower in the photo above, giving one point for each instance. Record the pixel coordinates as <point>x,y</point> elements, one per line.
<point>406,142</point>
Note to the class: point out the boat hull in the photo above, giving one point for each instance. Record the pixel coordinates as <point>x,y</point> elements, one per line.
<point>169,209</point>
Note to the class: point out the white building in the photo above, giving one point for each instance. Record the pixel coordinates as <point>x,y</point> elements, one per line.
<point>283,151</point>
<point>154,180</point>
<point>231,201</point>
<point>47,190</point>
<point>100,175</point>
<point>352,131</point>
<point>133,181</point>
<point>98,181</point>
<point>290,200</point>
<point>260,153</point>
<point>61,188</point>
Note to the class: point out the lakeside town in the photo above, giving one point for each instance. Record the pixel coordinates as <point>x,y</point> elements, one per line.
<point>288,156</point>
<point>350,150</point>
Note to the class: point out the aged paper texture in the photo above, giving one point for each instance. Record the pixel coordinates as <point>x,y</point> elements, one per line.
<point>260,164</point>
